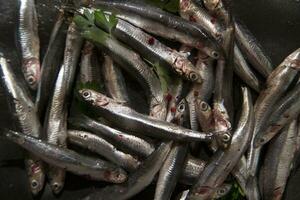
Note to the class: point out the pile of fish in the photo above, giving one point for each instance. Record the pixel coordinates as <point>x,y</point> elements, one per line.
<point>159,98</point>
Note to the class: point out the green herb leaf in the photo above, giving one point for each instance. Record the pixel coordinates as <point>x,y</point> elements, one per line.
<point>81,22</point>
<point>89,15</point>
<point>107,23</point>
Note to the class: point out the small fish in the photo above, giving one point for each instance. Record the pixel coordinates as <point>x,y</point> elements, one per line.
<point>114,81</point>
<point>51,64</point>
<point>224,161</point>
<point>55,125</point>
<point>137,181</point>
<point>25,119</point>
<point>278,162</point>
<point>132,144</point>
<point>30,43</point>
<point>63,158</point>
<point>151,19</point>
<point>128,119</point>
<point>102,147</point>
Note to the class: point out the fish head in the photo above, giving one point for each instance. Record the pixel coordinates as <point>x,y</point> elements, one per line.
<point>36,176</point>
<point>204,107</point>
<point>294,59</point>
<point>181,113</point>
<point>92,97</point>
<point>31,69</point>
<point>202,192</point>
<point>222,191</point>
<point>115,176</point>
<point>185,68</point>
<point>211,4</point>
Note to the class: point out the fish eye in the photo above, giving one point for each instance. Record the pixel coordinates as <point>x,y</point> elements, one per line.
<point>261,140</point>
<point>193,76</point>
<point>34,184</point>
<point>226,137</point>
<point>31,80</point>
<point>181,107</point>
<point>86,94</point>
<point>85,136</point>
<point>215,54</point>
<point>221,191</point>
<point>204,106</point>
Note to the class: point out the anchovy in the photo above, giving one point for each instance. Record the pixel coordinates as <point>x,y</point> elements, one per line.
<point>126,142</point>
<point>56,120</point>
<point>170,171</point>
<point>276,85</point>
<point>90,70</point>
<point>63,158</point>
<point>192,170</point>
<point>253,51</point>
<point>114,81</point>
<point>30,43</point>
<point>175,27</point>
<point>219,8</point>
<point>26,121</point>
<point>287,109</point>
<point>278,163</point>
<point>155,51</point>
<point>131,62</point>
<point>128,119</point>
<point>51,64</point>
<point>103,148</point>
<point>137,181</point>
<point>244,71</point>
<point>204,115</point>
<point>223,162</point>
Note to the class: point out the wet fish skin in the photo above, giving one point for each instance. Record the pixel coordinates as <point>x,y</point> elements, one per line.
<point>276,84</point>
<point>130,120</point>
<point>95,169</point>
<point>244,71</point>
<point>129,143</point>
<point>114,81</point>
<point>177,27</point>
<point>102,147</point>
<point>278,163</point>
<point>138,180</point>
<point>30,43</point>
<point>223,161</point>
<point>251,48</point>
<point>170,171</point>
<point>90,69</point>
<point>51,64</point>
<point>55,125</point>
<point>287,109</point>
<point>204,115</point>
<point>191,170</point>
<point>220,9</point>
<point>25,119</point>
<point>155,51</point>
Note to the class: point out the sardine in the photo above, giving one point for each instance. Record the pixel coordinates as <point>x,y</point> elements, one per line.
<point>126,142</point>
<point>128,119</point>
<point>276,85</point>
<point>26,121</point>
<point>56,119</point>
<point>137,181</point>
<point>175,27</point>
<point>114,81</point>
<point>278,163</point>
<point>51,64</point>
<point>30,43</point>
<point>63,158</point>
<point>103,148</point>
<point>251,48</point>
<point>223,162</point>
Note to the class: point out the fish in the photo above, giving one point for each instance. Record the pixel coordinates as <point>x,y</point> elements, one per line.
<point>25,119</point>
<point>51,64</point>
<point>276,85</point>
<point>286,110</point>
<point>29,42</point>
<point>155,51</point>
<point>224,161</point>
<point>220,9</point>
<point>244,71</point>
<point>278,163</point>
<point>136,181</point>
<point>114,81</point>
<point>104,148</point>
<point>55,125</point>
<point>170,171</point>
<point>90,69</point>
<point>136,145</point>
<point>151,18</point>
<point>252,49</point>
<point>204,115</point>
<point>130,120</point>
<point>95,169</point>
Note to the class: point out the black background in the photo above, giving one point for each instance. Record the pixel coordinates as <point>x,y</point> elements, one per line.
<point>275,23</point>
